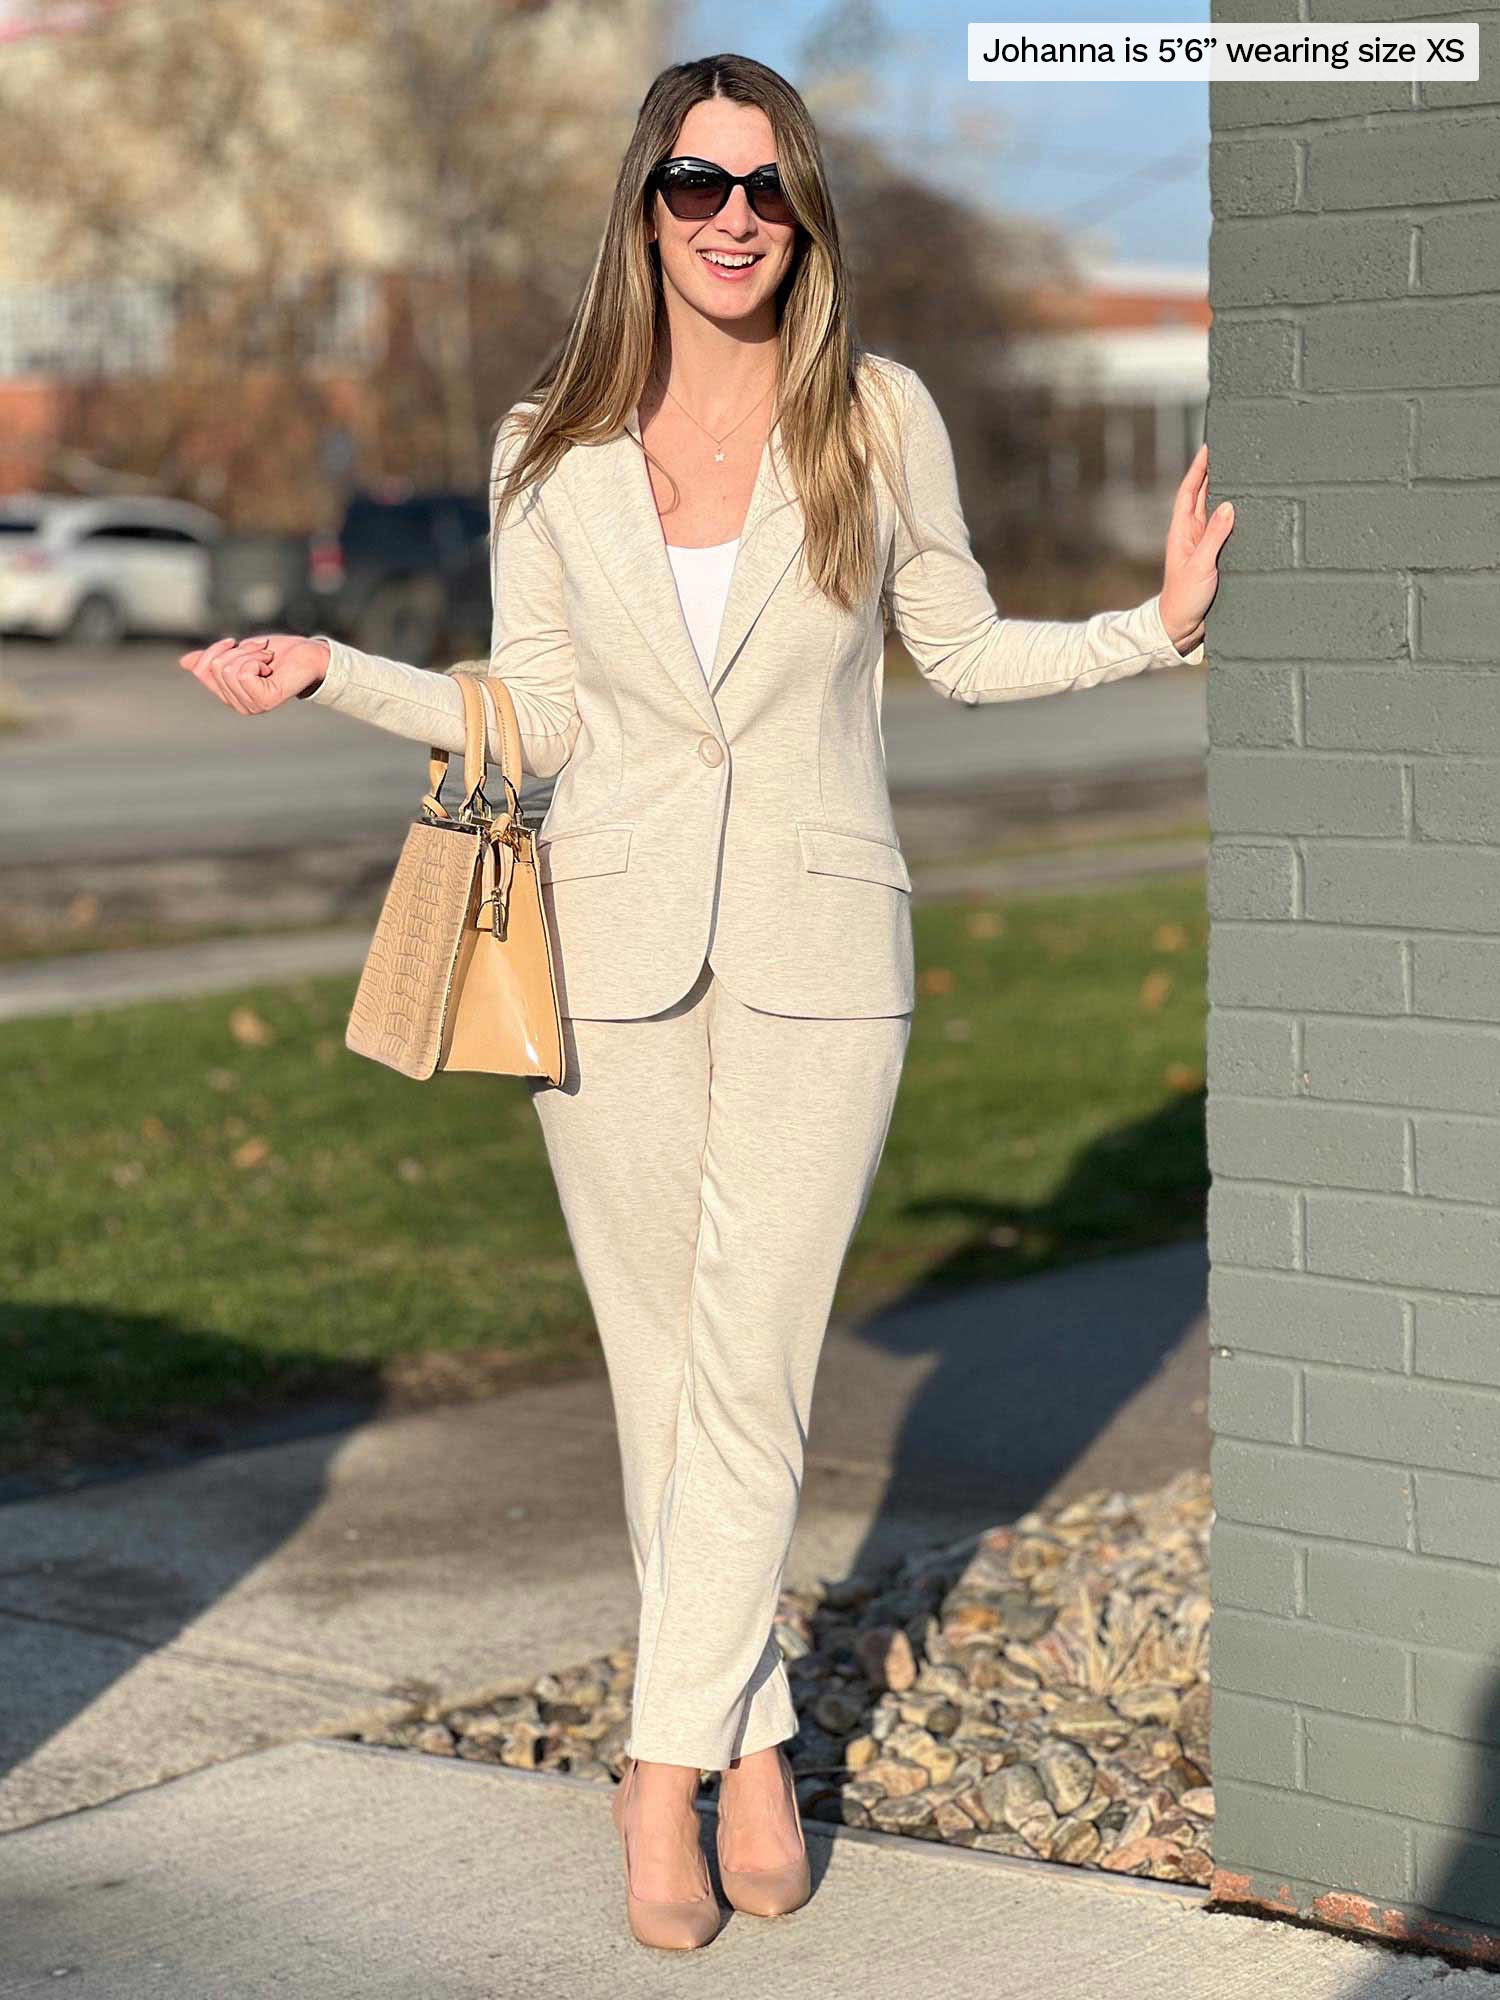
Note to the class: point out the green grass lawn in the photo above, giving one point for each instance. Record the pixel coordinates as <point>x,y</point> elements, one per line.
<point>212,1208</point>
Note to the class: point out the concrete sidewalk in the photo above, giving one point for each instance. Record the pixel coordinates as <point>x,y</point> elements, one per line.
<point>334,1872</point>
<point>153,1624</point>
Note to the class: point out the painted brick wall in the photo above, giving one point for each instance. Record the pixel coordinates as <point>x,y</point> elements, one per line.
<point>1354,977</point>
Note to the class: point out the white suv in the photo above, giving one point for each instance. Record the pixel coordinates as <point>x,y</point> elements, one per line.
<point>95,571</point>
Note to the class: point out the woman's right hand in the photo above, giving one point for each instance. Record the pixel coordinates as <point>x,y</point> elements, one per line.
<point>253,676</point>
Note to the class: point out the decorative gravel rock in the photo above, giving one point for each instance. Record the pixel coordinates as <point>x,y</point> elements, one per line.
<point>1040,1689</point>
<point>896,1777</point>
<point>1067,1776</point>
<point>886,1657</point>
<point>903,1815</point>
<point>1075,1840</point>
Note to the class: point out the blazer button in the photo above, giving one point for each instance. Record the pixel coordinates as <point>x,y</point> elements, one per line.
<point>710,749</point>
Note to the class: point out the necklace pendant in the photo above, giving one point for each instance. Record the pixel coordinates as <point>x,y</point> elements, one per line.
<point>718,458</point>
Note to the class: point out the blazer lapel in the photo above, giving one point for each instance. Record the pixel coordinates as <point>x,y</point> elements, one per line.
<point>774,531</point>
<point>610,486</point>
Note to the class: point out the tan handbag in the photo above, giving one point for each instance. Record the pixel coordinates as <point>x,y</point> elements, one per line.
<point>459,973</point>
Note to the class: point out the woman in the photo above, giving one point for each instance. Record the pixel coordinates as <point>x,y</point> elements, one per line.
<point>700,515</point>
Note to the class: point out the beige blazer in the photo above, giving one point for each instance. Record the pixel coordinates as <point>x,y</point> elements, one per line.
<point>743,814</point>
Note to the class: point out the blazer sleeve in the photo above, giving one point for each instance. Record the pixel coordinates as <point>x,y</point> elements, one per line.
<point>531,648</point>
<point>942,607</point>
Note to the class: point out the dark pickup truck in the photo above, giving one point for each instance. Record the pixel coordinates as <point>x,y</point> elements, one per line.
<point>408,578</point>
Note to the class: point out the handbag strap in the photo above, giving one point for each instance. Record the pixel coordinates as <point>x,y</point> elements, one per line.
<point>509,759</point>
<point>474,746</point>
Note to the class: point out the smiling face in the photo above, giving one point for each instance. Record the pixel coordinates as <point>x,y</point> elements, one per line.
<point>705,262</point>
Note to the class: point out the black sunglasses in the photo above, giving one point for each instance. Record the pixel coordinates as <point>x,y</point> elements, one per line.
<point>696,189</point>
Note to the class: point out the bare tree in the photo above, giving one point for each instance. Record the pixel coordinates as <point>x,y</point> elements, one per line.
<point>944,283</point>
<point>248,167</point>
<point>372,217</point>
<point>493,156</point>
<point>150,165</point>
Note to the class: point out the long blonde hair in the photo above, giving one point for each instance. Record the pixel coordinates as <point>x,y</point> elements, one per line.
<point>826,393</point>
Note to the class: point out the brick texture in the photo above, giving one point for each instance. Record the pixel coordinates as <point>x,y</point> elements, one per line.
<point>1354,992</point>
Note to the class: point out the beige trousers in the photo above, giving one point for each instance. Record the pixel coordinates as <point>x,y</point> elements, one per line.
<point>712,1162</point>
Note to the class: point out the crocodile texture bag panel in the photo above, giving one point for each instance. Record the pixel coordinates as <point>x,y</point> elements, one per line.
<point>399,1004</point>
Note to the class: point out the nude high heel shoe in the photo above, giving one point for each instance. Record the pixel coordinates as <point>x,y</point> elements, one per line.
<point>668,1926</point>
<point>769,1892</point>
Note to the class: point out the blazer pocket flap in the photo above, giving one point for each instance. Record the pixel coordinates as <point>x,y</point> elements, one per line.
<point>592,850</point>
<point>830,850</point>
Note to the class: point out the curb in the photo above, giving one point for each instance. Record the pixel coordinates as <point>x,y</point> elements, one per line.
<point>132,975</point>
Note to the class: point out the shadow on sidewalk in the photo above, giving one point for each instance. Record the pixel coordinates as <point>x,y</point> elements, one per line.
<point>984,1402</point>
<point>1091,1373</point>
<point>118,1590</point>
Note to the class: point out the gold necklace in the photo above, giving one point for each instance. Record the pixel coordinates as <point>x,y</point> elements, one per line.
<point>719,454</point>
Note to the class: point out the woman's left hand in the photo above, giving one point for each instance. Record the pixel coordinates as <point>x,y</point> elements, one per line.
<point>1193,544</point>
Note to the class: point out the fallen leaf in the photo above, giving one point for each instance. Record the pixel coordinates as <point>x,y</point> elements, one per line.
<point>250,1029</point>
<point>253,1153</point>
<point>1178,1076</point>
<point>1154,990</point>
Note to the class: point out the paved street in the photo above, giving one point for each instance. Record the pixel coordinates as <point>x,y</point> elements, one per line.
<point>133,757</point>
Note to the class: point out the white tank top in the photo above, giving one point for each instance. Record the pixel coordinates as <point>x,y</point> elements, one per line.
<point>702,586</point>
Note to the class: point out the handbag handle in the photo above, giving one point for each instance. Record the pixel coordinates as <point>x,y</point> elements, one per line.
<point>509,759</point>
<point>474,746</point>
